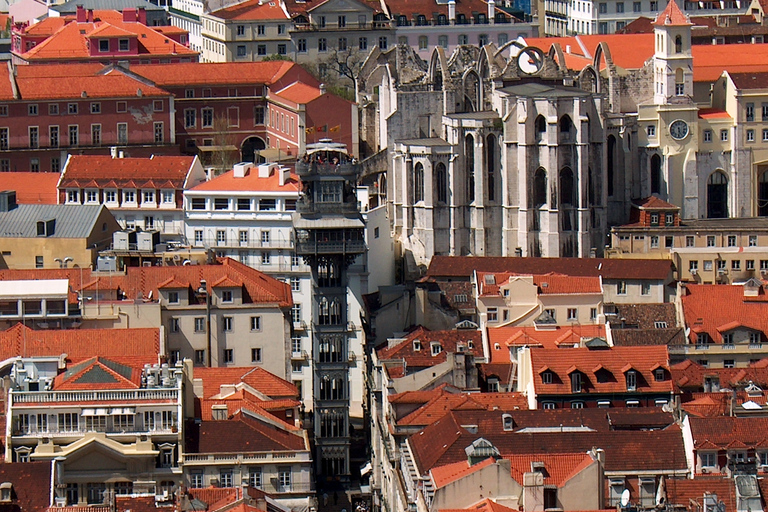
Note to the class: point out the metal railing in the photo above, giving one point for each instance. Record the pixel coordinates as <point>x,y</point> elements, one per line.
<point>94,396</point>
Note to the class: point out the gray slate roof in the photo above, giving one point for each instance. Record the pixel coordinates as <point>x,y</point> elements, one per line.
<point>72,221</point>
<point>116,5</point>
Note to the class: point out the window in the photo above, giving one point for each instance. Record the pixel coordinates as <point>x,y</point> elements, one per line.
<point>241,30</point>
<point>226,296</point>
<point>576,382</point>
<point>284,479</point>
<point>654,242</point>
<point>693,266</point>
<point>322,44</point>
<point>602,8</point>
<point>196,480</point>
<point>342,46</point>
<point>55,164</point>
<point>229,357</point>
<point>753,240</point>
<point>296,313</point>
<point>636,7</point>
<point>690,241</point>
<point>750,111</point>
<point>174,325</point>
<point>53,136</point>
<point>295,284</point>
<point>710,241</point>
<point>96,134</point>
<point>651,130</point>
<point>363,43</point>
<point>199,324</point>
<point>383,43</point>
<point>621,288</point>
<point>645,289</point>
<point>750,135</point>
<point>261,49</point>
<point>32,110</point>
<point>190,118</point>
<point>225,477</point>
<point>619,9</point>
<point>493,315</point>
<point>91,196</point>
<point>267,204</point>
<point>729,363</point>
<point>708,459</point>
<point>654,219</point>
<point>266,257</point>
<point>73,135</point>
<point>707,135</point>
<point>735,264</point>
<point>129,196</point>
<point>724,135</point>
<point>159,133</point>
<point>260,30</point>
<point>227,324</point>
<point>572,314</point>
<point>122,133</point>
<point>221,203</point>
<point>34,137</point>
<point>301,45</point>
<point>255,323</point>
<point>631,380</point>
<point>241,50</point>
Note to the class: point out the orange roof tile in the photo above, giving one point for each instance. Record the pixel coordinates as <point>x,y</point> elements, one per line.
<point>628,51</point>
<point>447,401</point>
<point>557,337</point>
<point>713,113</point>
<point>654,202</point>
<point>299,93</point>
<point>485,505</point>
<point>560,467</point>
<point>707,307</point>
<point>106,171</point>
<point>227,182</point>
<point>444,475</point>
<point>672,16</point>
<point>423,357</point>
<point>548,284</point>
<point>98,373</point>
<point>252,10</point>
<point>31,187</point>
<point>101,86</point>
<point>257,378</point>
<point>729,431</point>
<point>224,73</point>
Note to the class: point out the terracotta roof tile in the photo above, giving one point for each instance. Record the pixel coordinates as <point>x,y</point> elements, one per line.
<point>244,434</point>
<point>227,182</point>
<point>252,10</point>
<point>465,266</point>
<point>689,493</point>
<point>557,337</point>
<point>107,172</point>
<point>446,401</point>
<point>713,113</point>
<point>653,202</point>
<point>724,431</point>
<point>449,342</point>
<point>485,505</point>
<point>257,378</point>
<point>707,307</point>
<point>101,86</point>
<point>31,484</point>
<point>225,73</point>
<point>548,284</point>
<point>31,187</point>
<point>672,16</point>
<point>299,93</point>
<point>444,475</point>
<point>559,467</point>
<point>98,373</point>
<point>615,361</point>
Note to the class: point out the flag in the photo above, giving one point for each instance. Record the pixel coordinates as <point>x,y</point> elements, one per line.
<point>310,130</point>
<point>335,128</point>
<point>323,128</point>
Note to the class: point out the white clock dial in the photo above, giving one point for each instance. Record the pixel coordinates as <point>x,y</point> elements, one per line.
<point>678,129</point>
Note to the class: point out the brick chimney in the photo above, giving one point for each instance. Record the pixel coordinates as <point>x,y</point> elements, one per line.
<point>81,14</point>
<point>142,16</point>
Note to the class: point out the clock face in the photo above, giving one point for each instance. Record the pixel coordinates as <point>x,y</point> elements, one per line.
<point>530,60</point>
<point>678,129</point>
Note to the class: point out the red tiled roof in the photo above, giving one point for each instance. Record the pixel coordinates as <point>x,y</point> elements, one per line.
<point>444,475</point>
<point>221,74</point>
<point>252,10</point>
<point>449,341</point>
<point>98,373</point>
<point>421,396</point>
<point>615,361</point>
<point>108,172</point>
<point>299,93</point>
<point>257,378</point>
<point>100,86</point>
<point>690,493</point>
<point>707,307</point>
<point>242,399</point>
<point>560,467</point>
<point>485,505</point>
<point>557,337</point>
<point>31,484</point>
<point>713,113</point>
<point>227,182</point>
<point>628,51</point>
<point>31,187</point>
<point>446,401</point>
<point>616,268</point>
<point>244,434</point>
<point>654,203</point>
<point>551,283</point>
<point>672,16</point>
<point>141,346</point>
<point>723,431</point>
<point>430,8</point>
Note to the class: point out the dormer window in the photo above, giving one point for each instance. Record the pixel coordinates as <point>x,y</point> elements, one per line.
<point>6,491</point>
<point>173,297</point>
<point>576,382</point>
<point>669,219</point>
<point>507,422</point>
<point>631,377</point>
<point>654,219</point>
<point>659,374</point>
<point>547,377</point>
<point>103,45</point>
<point>417,345</point>
<point>461,348</point>
<point>436,348</point>
<point>226,296</point>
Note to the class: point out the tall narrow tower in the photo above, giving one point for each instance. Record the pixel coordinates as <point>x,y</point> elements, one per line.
<point>330,236</point>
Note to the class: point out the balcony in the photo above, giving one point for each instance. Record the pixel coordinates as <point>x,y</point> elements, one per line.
<point>54,432</point>
<point>235,242</point>
<point>331,247</point>
<point>327,169</point>
<point>132,395</point>
<point>300,355</point>
<point>240,458</point>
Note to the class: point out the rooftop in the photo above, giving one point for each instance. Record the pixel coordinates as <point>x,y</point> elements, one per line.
<point>558,337</point>
<point>252,10</point>
<point>244,433</point>
<point>71,221</point>
<point>157,172</point>
<point>257,378</point>
<point>420,355</point>
<point>31,187</point>
<point>251,182</point>
<point>717,309</point>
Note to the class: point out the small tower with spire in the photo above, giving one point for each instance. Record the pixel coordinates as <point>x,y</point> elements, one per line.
<point>672,60</point>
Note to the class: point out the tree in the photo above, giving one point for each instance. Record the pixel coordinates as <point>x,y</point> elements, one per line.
<point>225,153</point>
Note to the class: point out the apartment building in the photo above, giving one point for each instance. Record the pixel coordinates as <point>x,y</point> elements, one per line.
<point>142,193</point>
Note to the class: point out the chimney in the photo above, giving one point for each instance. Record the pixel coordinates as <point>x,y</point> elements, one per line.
<point>129,15</point>
<point>285,173</point>
<point>121,154</point>
<point>452,10</point>
<point>568,48</point>
<point>491,10</point>
<point>265,170</point>
<point>81,14</point>
<point>113,151</point>
<point>241,170</point>
<point>90,15</point>
<point>322,89</point>
<point>142,16</point>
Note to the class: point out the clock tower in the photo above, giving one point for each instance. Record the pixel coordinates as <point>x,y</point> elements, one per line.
<point>672,59</point>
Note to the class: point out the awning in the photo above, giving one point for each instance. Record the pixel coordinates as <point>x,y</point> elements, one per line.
<point>208,149</point>
<point>275,154</point>
<point>122,410</point>
<point>95,412</point>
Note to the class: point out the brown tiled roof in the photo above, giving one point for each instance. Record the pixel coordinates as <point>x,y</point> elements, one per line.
<point>242,399</point>
<point>221,74</point>
<point>163,171</point>
<point>257,378</point>
<point>689,493</point>
<point>447,401</point>
<point>688,375</point>
<point>421,396</point>
<point>503,371</point>
<point>615,361</point>
<point>31,187</point>
<point>617,268</point>
<point>551,283</point>
<point>708,307</point>
<point>244,434</point>
<point>557,337</point>
<point>744,81</point>
<point>642,337</point>
<point>423,358</point>
<point>431,8</point>
<point>643,316</point>
<point>139,345</point>
<point>559,467</point>
<point>31,484</point>
<point>444,441</point>
<point>724,430</point>
<point>654,203</point>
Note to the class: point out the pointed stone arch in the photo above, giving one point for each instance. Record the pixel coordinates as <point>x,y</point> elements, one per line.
<point>557,55</point>
<point>438,68</point>
<point>589,80</point>
<point>471,91</point>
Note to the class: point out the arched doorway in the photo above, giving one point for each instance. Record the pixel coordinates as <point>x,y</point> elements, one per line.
<point>249,148</point>
<point>717,195</point>
<point>655,174</point>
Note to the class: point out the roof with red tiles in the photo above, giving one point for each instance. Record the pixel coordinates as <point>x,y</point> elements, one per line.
<point>252,10</point>
<point>59,70</point>
<point>559,467</point>
<point>689,375</point>
<point>302,7</point>
<point>444,475</point>
<point>485,505</point>
<point>653,203</point>
<point>223,73</point>
<point>721,432</point>
<point>141,346</point>
<point>421,355</point>
<point>99,170</point>
<point>211,495</point>
<point>47,26</point>
<point>690,493</point>
<point>616,268</point>
<point>603,371</point>
<point>299,93</point>
<point>98,373</point>
<point>421,396</point>
<point>138,282</point>
<point>257,378</point>
<point>31,187</point>
<point>713,113</point>
<point>31,484</point>
<point>672,16</point>
<point>447,401</point>
<point>244,434</point>
<point>70,42</point>
<point>628,51</point>
<point>551,283</point>
<point>444,441</point>
<point>501,339</point>
<point>97,86</point>
<point>242,399</point>
<point>709,307</point>
<point>132,502</point>
<point>251,182</point>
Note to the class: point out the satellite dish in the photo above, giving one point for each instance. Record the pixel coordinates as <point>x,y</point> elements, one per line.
<point>625,498</point>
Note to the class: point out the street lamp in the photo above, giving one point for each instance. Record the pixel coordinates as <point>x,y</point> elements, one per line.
<point>203,290</point>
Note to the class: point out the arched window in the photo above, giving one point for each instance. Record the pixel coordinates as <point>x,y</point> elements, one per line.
<point>471,92</point>
<point>441,183</point>
<point>611,171</point>
<point>717,195</point>
<point>539,188</point>
<point>678,44</point>
<point>566,126</point>
<point>469,155</point>
<point>762,195</point>
<point>540,125</point>
<point>567,189</point>
<point>655,174</point>
<point>490,161</point>
<point>418,183</point>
